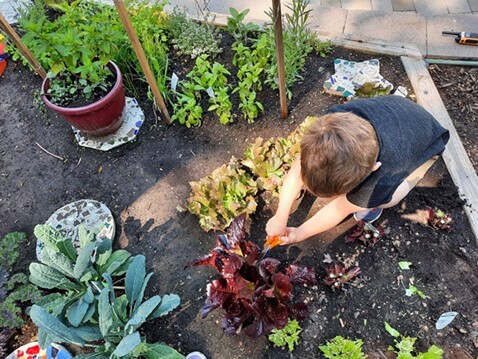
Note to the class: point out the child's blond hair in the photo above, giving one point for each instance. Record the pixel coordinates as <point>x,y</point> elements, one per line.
<point>337,152</point>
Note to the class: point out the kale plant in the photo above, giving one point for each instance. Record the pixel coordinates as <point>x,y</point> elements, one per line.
<point>15,291</point>
<point>255,293</point>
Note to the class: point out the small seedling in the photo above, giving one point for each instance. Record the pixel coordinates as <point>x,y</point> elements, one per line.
<point>341,348</point>
<point>289,335</point>
<point>404,347</point>
<point>365,233</point>
<point>414,290</point>
<point>439,219</point>
<point>338,275</point>
<point>404,265</point>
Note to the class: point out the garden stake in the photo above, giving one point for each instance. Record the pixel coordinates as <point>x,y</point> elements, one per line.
<point>277,15</point>
<point>13,36</point>
<point>138,49</point>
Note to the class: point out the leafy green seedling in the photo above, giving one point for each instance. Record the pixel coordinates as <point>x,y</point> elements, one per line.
<point>341,348</point>
<point>414,290</point>
<point>404,265</point>
<point>289,335</point>
<point>405,347</point>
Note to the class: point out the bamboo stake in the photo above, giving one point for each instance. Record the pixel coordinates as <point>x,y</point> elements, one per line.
<point>277,15</point>
<point>125,19</point>
<point>13,36</point>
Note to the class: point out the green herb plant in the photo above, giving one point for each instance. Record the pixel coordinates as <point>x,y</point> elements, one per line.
<point>81,42</point>
<point>15,291</point>
<point>341,348</point>
<point>114,332</point>
<point>287,336</point>
<point>191,38</point>
<point>237,28</point>
<point>404,347</point>
<point>205,78</point>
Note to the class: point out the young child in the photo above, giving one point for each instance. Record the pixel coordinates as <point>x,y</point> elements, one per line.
<point>367,154</point>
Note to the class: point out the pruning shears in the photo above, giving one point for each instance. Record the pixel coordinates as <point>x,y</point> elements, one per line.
<point>271,242</point>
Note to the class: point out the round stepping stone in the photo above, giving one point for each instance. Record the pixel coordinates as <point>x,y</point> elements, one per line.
<point>90,214</point>
<point>32,350</point>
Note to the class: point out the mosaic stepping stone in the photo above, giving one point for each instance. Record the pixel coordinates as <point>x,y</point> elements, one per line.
<point>351,76</point>
<point>33,351</point>
<point>133,118</point>
<point>88,213</point>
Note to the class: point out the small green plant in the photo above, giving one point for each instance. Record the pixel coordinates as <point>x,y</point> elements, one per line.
<point>15,291</point>
<point>209,78</point>
<point>404,347</point>
<point>287,336</point>
<point>341,348</point>
<point>191,38</point>
<point>237,28</point>
<point>114,332</point>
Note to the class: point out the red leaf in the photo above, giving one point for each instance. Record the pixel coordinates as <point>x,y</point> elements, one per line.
<point>301,275</point>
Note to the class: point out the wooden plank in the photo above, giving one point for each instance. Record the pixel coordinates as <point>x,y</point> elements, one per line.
<point>138,49</point>
<point>374,46</point>
<point>13,36</point>
<point>277,15</point>
<point>456,160</point>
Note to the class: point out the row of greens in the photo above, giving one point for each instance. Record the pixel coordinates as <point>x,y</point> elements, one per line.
<point>96,296</point>
<point>74,41</point>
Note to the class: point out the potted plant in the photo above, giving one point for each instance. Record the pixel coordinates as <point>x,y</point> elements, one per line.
<point>76,46</point>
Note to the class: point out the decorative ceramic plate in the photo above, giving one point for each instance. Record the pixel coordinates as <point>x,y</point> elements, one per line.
<point>90,214</point>
<point>133,118</point>
<point>33,351</point>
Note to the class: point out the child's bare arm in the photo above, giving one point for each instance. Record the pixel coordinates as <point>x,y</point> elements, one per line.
<point>326,218</point>
<point>289,192</point>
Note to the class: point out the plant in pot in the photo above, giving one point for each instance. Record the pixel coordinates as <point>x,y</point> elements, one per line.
<point>76,46</point>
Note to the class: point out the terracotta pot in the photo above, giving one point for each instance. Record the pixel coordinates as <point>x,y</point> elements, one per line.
<point>99,118</point>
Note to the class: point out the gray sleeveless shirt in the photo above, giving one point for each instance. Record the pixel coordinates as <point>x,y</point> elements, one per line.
<point>408,136</point>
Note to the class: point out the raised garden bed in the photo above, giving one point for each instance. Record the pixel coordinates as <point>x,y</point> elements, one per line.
<point>144,181</point>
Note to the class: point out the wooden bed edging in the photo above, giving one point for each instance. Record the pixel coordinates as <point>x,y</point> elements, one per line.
<point>455,157</point>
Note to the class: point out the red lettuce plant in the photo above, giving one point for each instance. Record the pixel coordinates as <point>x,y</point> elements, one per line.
<point>439,219</point>
<point>365,233</point>
<point>338,275</point>
<point>255,293</point>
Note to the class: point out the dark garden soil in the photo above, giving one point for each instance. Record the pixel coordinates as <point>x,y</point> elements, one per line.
<point>144,181</point>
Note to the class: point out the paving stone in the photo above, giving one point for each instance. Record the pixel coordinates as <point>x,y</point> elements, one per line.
<point>328,19</point>
<point>382,5</point>
<point>431,7</point>
<point>473,5</point>
<point>356,4</point>
<point>331,3</point>
<point>445,46</point>
<point>398,27</point>
<point>458,6</point>
<point>403,5</point>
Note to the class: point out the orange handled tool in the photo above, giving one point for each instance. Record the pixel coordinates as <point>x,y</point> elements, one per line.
<point>271,242</point>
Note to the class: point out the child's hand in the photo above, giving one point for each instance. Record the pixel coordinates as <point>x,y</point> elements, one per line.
<point>294,235</point>
<point>276,226</point>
